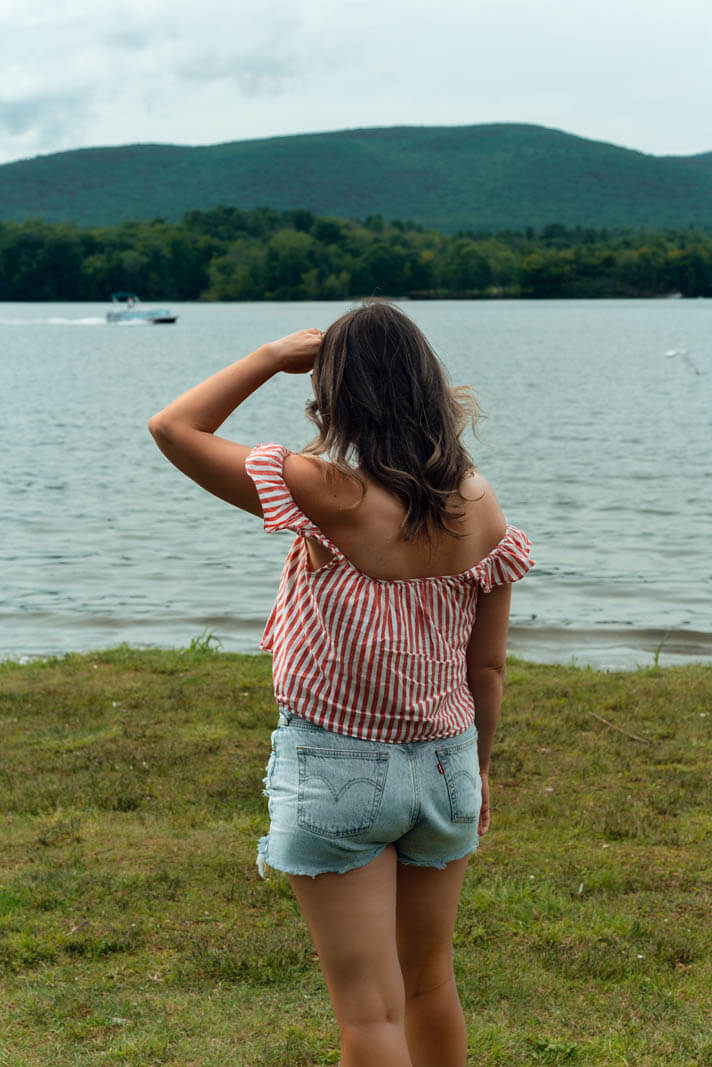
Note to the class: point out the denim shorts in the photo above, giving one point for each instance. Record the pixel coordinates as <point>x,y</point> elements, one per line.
<point>335,802</point>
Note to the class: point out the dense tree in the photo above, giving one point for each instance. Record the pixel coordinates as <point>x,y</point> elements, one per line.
<point>263,254</point>
<point>39,261</point>
<point>466,267</point>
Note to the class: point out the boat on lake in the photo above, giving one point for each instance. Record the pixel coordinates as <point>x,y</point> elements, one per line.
<point>126,308</point>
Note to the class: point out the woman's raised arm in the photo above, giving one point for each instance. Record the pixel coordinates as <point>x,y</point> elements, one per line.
<point>185,429</point>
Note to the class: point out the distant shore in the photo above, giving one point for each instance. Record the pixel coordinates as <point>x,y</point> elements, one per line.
<point>264,255</point>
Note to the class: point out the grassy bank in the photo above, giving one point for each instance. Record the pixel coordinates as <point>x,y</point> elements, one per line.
<point>134,928</point>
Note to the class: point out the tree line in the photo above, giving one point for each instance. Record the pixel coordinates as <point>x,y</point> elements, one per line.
<point>264,254</point>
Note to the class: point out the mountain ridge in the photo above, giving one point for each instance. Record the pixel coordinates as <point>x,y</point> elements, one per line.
<point>485,177</point>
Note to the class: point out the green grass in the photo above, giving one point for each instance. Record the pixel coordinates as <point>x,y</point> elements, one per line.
<point>134,928</point>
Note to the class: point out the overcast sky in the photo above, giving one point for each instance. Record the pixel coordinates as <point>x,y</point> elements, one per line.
<point>75,73</point>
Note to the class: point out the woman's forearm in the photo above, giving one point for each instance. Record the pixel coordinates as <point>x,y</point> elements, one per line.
<point>486,686</point>
<point>185,429</point>
<point>206,406</point>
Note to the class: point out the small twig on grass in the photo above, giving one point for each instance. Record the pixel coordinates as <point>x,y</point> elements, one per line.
<point>647,740</point>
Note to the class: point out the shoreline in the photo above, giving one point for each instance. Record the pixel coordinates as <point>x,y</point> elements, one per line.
<point>611,649</point>
<point>599,653</point>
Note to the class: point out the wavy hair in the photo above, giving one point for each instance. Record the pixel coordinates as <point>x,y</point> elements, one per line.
<point>383,407</point>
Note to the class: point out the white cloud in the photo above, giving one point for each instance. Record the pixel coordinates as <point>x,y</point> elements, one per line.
<point>79,73</point>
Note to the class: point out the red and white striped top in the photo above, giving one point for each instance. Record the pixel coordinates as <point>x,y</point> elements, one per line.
<point>378,659</point>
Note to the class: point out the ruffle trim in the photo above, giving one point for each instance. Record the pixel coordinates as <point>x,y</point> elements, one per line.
<point>508,561</point>
<point>265,466</point>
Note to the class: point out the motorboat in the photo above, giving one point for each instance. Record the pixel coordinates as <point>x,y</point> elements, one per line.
<point>127,308</point>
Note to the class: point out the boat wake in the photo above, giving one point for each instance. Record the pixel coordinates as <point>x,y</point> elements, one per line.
<point>95,320</point>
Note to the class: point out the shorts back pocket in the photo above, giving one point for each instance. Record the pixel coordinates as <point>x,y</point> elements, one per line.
<point>460,768</point>
<point>339,790</point>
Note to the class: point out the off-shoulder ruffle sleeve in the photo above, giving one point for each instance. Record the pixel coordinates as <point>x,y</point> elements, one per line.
<point>508,561</point>
<point>265,466</point>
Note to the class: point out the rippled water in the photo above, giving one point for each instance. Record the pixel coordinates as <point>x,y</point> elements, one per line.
<point>597,441</point>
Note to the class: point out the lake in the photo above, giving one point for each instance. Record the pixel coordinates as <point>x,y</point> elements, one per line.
<point>597,442</point>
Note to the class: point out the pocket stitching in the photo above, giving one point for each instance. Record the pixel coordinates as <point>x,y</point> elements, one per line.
<point>380,759</point>
<point>451,775</point>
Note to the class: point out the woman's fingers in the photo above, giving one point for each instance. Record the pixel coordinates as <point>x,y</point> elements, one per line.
<point>485,809</point>
<point>297,351</point>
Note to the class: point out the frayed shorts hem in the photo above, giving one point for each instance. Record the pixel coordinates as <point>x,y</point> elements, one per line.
<point>438,865</point>
<point>263,861</point>
<point>363,860</point>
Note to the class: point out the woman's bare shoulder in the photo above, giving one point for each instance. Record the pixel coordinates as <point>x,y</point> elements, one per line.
<point>319,488</point>
<point>482,509</point>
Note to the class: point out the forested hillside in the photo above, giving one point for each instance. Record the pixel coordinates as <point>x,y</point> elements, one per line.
<point>228,254</point>
<point>491,177</point>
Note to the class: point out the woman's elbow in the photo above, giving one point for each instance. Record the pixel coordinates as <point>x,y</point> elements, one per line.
<point>486,678</point>
<point>492,670</point>
<point>158,427</point>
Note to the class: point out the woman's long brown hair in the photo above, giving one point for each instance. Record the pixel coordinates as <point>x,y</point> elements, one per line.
<point>383,407</point>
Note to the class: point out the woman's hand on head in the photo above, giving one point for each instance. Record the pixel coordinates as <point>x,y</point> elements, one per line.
<point>296,352</point>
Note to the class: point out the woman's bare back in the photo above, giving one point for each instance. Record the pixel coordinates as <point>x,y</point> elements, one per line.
<point>367,526</point>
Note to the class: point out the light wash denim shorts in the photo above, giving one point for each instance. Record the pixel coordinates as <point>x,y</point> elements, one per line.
<point>335,802</point>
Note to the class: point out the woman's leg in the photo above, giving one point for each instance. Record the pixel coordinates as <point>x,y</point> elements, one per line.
<point>352,919</point>
<point>427,900</point>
